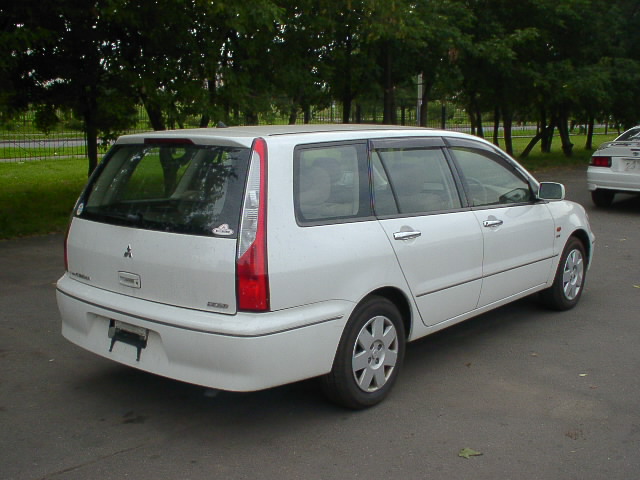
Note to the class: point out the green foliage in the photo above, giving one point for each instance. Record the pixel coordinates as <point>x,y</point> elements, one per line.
<point>46,118</point>
<point>547,60</point>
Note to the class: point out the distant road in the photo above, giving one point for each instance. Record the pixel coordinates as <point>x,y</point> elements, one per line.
<point>49,143</point>
<point>43,142</point>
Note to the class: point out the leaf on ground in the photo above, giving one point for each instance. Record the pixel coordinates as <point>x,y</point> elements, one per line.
<point>468,452</point>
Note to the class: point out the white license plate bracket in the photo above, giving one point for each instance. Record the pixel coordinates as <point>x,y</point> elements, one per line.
<point>129,334</point>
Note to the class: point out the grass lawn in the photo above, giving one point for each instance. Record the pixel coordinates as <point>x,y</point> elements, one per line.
<point>37,197</point>
<point>39,152</point>
<point>537,161</point>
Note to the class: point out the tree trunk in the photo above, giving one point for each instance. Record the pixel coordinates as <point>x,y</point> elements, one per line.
<point>307,114</point>
<point>479,122</point>
<point>563,130</point>
<point>496,126</point>
<point>346,108</point>
<point>424,108</point>
<point>389,114</point>
<point>542,132</point>
<point>427,85</point>
<point>251,118</point>
<point>532,143</point>
<point>547,135</point>
<point>507,123</point>
<point>472,119</point>
<point>589,144</point>
<point>347,96</point>
<point>212,97</point>
<point>91,132</point>
<point>155,115</point>
<point>154,112</point>
<point>293,115</point>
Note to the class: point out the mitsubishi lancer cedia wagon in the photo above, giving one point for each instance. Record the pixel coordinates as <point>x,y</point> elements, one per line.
<point>249,257</point>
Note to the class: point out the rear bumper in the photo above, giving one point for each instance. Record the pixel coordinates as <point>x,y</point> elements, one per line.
<point>242,352</point>
<point>598,177</point>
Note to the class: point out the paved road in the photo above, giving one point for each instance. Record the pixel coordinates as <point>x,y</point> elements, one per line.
<point>542,395</point>
<point>38,142</point>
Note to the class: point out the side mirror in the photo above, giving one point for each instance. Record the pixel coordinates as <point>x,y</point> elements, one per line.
<point>551,191</point>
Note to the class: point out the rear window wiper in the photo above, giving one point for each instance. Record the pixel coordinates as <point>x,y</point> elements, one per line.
<point>121,217</point>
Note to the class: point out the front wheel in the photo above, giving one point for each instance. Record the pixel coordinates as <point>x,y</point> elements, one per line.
<point>369,355</point>
<point>568,282</point>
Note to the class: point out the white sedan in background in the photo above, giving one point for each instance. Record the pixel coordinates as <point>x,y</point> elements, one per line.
<point>615,168</point>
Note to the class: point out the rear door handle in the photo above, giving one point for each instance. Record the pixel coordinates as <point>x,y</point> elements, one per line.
<point>406,235</point>
<point>492,223</point>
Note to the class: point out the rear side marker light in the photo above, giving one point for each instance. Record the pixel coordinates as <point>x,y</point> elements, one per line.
<point>601,162</point>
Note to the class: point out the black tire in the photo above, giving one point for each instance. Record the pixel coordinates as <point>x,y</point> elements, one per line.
<point>369,356</point>
<point>602,198</point>
<point>568,283</point>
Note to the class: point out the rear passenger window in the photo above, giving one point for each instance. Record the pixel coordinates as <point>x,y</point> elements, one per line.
<point>412,181</point>
<point>331,184</point>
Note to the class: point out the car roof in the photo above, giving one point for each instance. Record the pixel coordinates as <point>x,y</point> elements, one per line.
<point>269,130</point>
<point>243,136</point>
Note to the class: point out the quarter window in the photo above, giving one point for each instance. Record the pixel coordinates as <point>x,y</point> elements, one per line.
<point>331,184</point>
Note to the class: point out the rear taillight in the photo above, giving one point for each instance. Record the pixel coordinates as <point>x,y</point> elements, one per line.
<point>600,161</point>
<point>251,264</point>
<point>66,248</point>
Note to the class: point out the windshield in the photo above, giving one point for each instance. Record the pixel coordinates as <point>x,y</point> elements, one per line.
<point>174,188</point>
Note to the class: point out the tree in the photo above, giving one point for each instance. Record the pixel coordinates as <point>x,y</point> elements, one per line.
<point>300,50</point>
<point>347,60</point>
<point>66,56</point>
<point>158,51</point>
<point>571,81</point>
<point>442,31</point>
<point>624,67</point>
<point>395,32</point>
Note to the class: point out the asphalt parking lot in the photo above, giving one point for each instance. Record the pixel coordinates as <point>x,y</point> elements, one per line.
<point>540,394</point>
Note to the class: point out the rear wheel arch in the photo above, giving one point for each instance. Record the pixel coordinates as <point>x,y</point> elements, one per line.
<point>371,350</point>
<point>400,300</point>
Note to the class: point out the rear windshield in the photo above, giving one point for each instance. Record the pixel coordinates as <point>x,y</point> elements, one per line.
<point>173,188</point>
<point>633,134</point>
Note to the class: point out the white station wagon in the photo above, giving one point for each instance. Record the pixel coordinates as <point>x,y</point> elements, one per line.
<point>249,257</point>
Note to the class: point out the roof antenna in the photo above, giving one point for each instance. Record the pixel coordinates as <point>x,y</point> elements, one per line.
<point>221,124</point>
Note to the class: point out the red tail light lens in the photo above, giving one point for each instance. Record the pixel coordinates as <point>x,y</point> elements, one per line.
<point>66,248</point>
<point>601,162</point>
<point>251,264</point>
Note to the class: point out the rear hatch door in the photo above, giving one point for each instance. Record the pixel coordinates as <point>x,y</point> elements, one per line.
<point>159,221</point>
